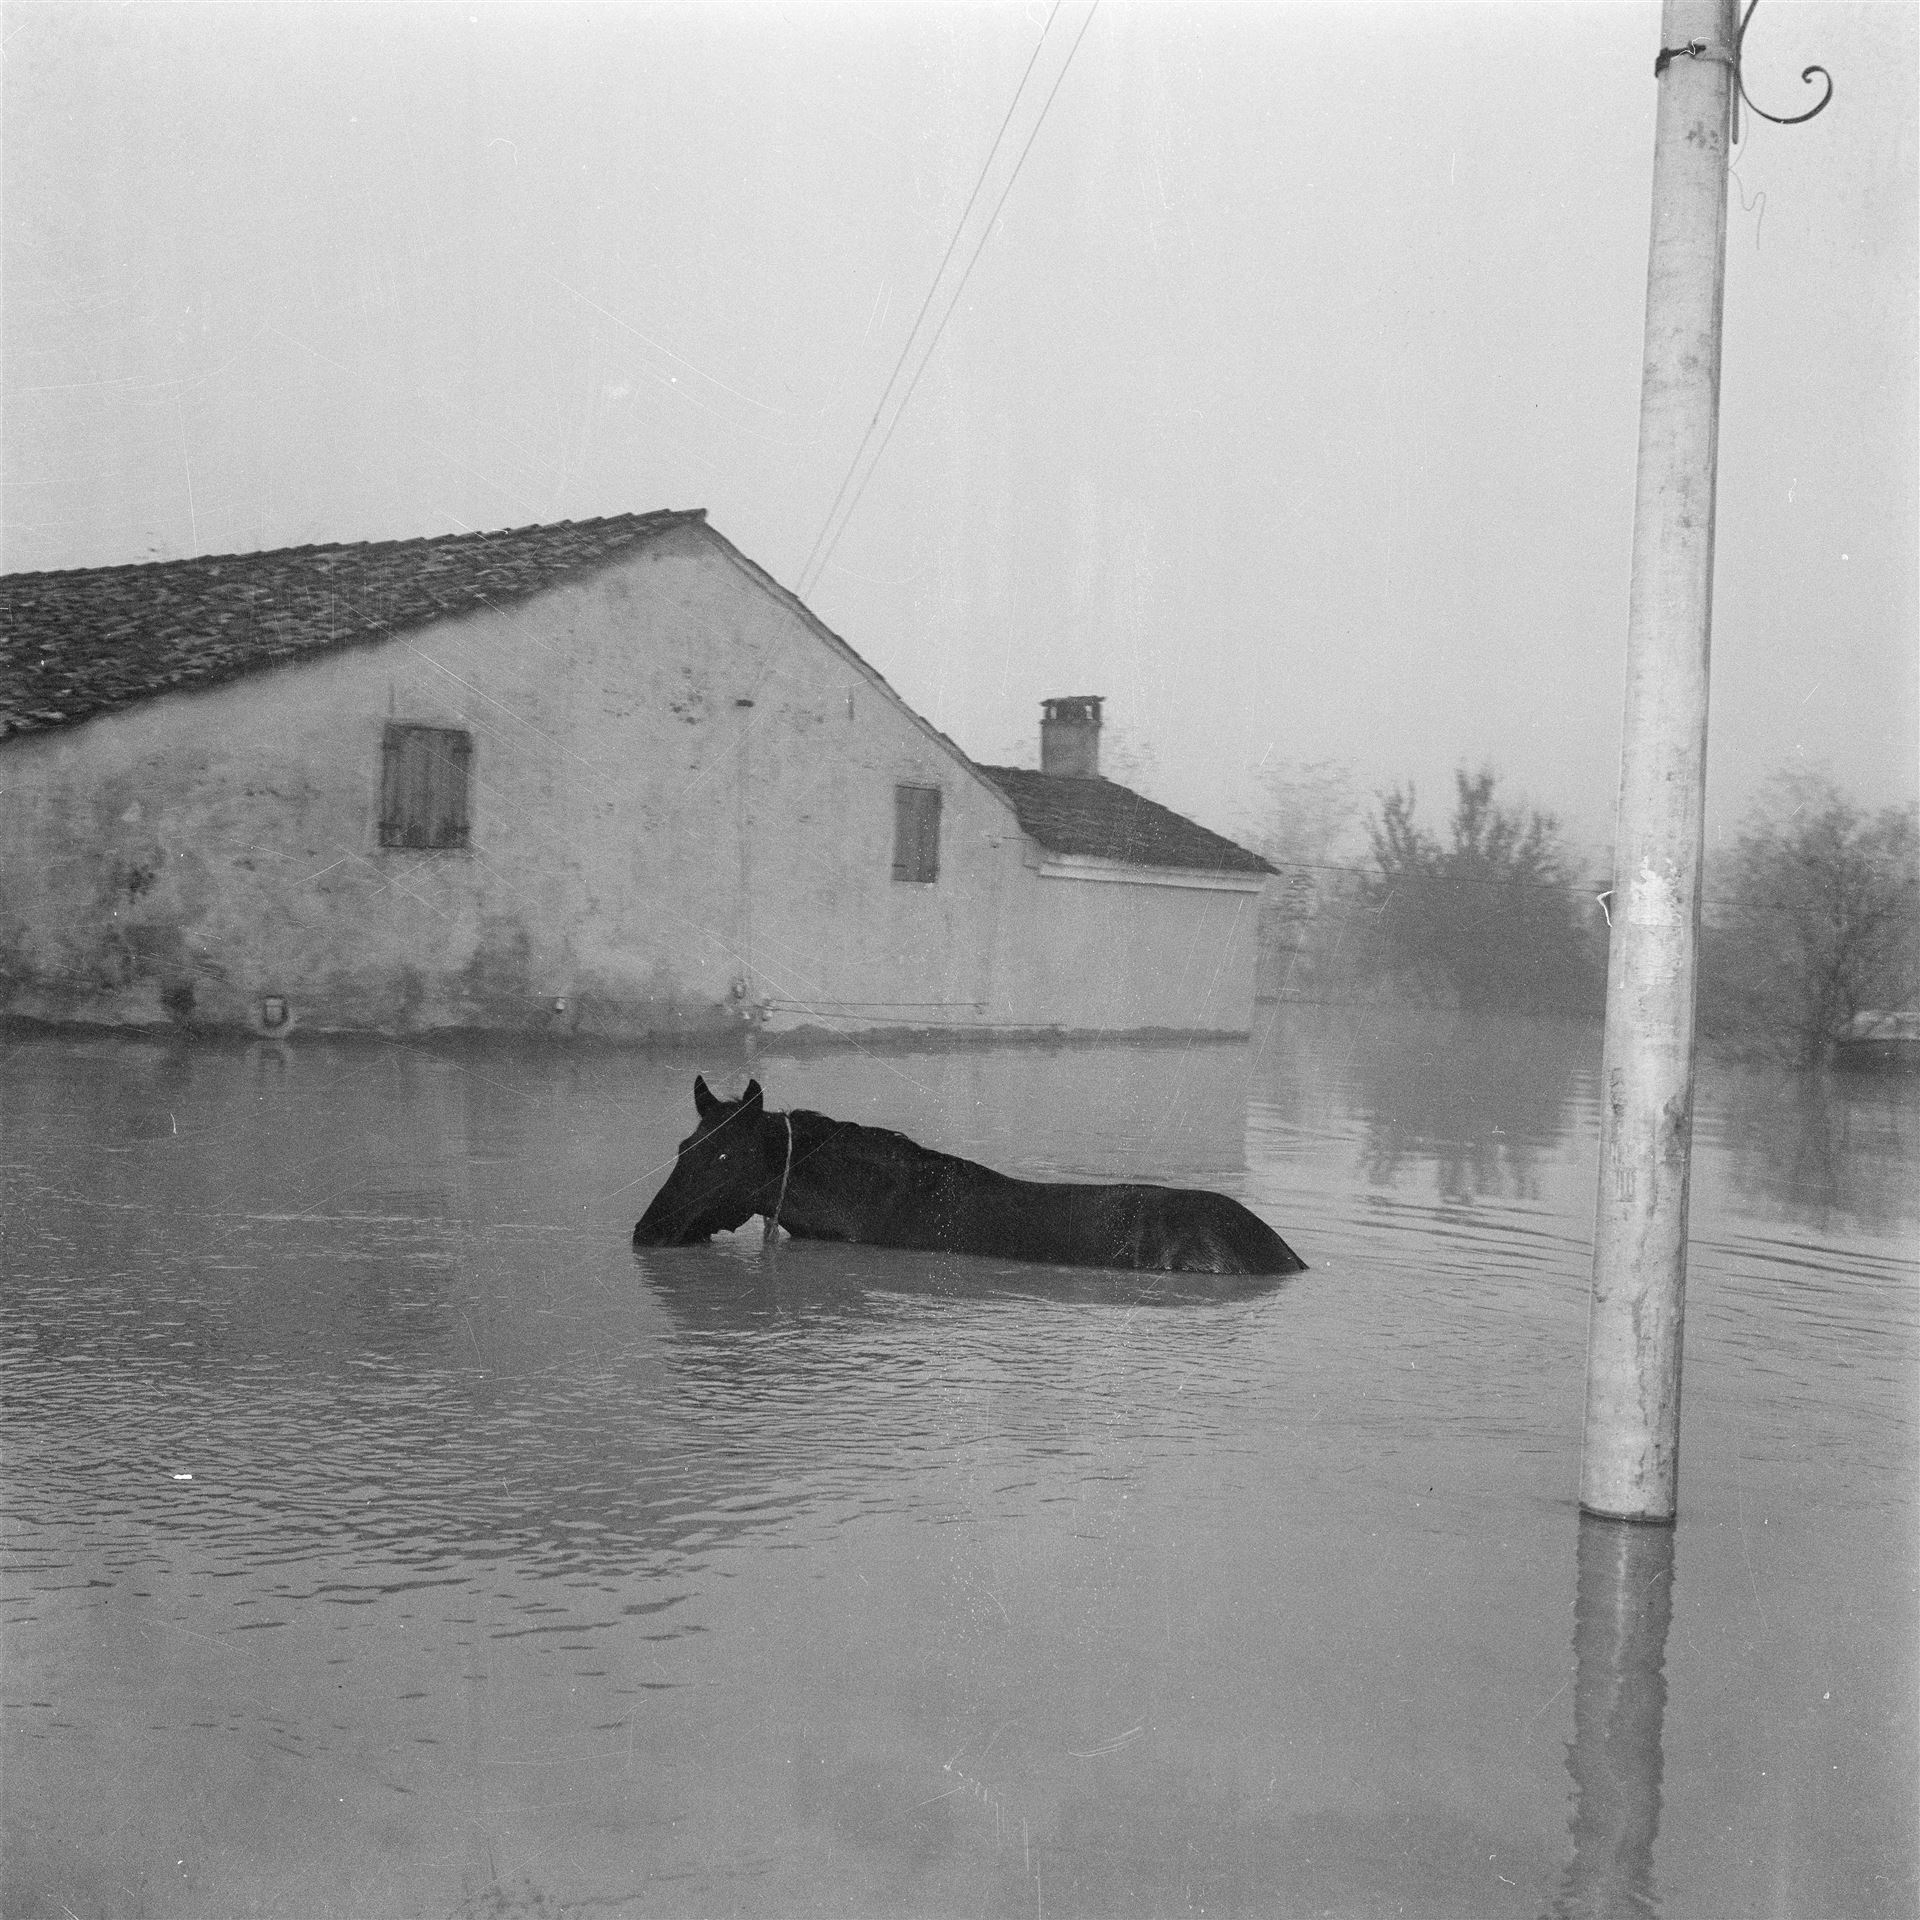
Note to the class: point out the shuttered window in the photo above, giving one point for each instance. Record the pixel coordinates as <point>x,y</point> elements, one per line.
<point>916,833</point>
<point>424,772</point>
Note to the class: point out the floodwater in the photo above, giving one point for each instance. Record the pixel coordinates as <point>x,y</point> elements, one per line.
<point>382,1537</point>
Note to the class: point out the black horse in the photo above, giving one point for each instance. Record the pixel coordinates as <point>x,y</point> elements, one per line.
<point>827,1179</point>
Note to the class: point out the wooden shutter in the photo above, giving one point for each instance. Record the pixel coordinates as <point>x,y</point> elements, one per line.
<point>424,778</point>
<point>916,834</point>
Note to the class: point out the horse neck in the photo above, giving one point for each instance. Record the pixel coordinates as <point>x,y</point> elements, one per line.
<point>837,1159</point>
<point>790,1136</point>
<point>779,1143</point>
<point>819,1152</point>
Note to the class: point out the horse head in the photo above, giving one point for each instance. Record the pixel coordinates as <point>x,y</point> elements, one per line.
<point>721,1176</point>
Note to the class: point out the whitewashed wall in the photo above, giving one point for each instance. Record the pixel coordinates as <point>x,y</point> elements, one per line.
<point>681,821</point>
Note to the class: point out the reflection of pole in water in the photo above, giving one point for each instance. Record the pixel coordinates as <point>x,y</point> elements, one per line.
<point>1623,1604</point>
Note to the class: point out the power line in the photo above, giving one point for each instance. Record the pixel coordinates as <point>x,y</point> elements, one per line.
<point>811,572</point>
<point>906,346</point>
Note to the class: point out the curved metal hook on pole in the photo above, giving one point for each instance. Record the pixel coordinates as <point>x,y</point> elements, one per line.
<point>1806,74</point>
<point>1699,50</point>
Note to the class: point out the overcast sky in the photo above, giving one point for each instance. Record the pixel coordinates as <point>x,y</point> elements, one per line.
<point>1290,403</point>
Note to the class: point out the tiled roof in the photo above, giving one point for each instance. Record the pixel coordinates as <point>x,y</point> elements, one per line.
<point>90,639</point>
<point>1072,814</point>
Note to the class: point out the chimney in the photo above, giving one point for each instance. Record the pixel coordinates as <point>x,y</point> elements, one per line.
<point>1070,736</point>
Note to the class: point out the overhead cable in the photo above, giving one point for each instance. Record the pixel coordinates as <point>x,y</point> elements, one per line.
<point>906,346</point>
<point>823,546</point>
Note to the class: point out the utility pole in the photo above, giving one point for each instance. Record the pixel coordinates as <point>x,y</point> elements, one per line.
<point>1631,1451</point>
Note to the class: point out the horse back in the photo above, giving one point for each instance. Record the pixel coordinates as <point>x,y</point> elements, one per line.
<point>1142,1228</point>
<point>870,1185</point>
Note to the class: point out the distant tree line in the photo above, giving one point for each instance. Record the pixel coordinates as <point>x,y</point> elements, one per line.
<point>1812,918</point>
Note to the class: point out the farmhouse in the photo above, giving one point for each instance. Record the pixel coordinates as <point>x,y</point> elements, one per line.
<point>600,778</point>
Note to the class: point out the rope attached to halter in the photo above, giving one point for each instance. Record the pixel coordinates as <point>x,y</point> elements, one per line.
<point>786,1173</point>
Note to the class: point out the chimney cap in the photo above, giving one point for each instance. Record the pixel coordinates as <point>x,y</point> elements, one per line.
<point>1070,736</point>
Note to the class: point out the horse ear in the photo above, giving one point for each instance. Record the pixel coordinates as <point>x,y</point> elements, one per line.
<point>703,1100</point>
<point>752,1099</point>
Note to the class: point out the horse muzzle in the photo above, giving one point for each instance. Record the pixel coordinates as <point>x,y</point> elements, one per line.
<point>679,1225</point>
<point>652,1231</point>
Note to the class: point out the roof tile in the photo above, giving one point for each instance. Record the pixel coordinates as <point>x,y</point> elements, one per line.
<point>1070,813</point>
<point>89,640</point>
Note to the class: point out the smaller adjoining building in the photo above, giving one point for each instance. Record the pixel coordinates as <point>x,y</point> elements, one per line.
<point>605,778</point>
<point>1087,827</point>
<point>1150,911</point>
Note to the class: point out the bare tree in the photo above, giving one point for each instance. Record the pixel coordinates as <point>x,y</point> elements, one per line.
<point>1816,919</point>
<point>1306,814</point>
<point>1304,822</point>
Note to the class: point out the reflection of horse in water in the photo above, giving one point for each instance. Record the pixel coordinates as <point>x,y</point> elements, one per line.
<point>825,1179</point>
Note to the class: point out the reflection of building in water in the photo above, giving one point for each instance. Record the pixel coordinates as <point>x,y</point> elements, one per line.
<point>346,1276</point>
<point>605,778</point>
<point>1880,1043</point>
<point>1622,1608</point>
